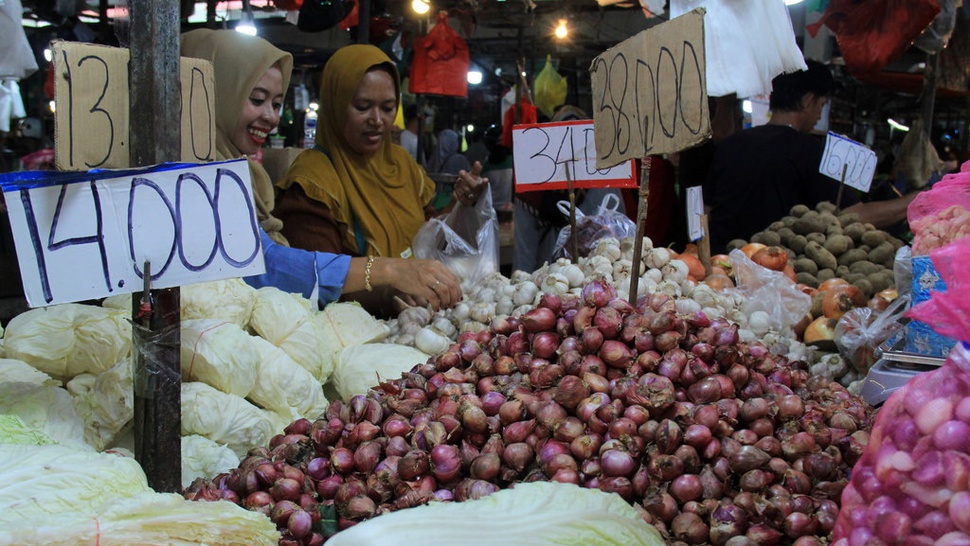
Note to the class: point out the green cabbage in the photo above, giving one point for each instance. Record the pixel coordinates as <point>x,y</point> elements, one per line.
<point>229,299</point>
<point>220,354</point>
<point>18,371</point>
<point>46,480</point>
<point>69,339</point>
<point>203,458</point>
<point>284,386</point>
<point>46,409</point>
<point>362,367</point>
<point>105,402</point>
<point>150,519</point>
<point>14,431</point>
<point>283,319</point>
<point>345,325</point>
<point>529,514</point>
<point>224,418</point>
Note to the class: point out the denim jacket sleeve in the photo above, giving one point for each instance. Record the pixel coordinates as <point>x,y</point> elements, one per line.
<point>315,275</point>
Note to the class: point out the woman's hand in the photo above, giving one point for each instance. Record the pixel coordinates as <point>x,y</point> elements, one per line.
<point>426,282</point>
<point>470,185</point>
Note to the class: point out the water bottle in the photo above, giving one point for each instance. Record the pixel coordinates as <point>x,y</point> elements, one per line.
<point>309,128</point>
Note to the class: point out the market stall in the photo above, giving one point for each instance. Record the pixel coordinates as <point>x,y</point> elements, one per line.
<point>625,392</point>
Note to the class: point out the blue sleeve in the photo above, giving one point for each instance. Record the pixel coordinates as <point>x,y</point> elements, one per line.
<point>301,271</point>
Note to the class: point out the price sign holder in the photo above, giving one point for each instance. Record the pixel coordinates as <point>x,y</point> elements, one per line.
<point>650,98</point>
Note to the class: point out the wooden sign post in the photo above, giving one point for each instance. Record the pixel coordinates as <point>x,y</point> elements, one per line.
<point>650,98</point>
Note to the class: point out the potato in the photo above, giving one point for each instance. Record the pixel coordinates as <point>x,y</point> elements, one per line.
<point>736,243</point>
<point>807,279</point>
<point>838,244</point>
<point>816,309</point>
<point>883,254</point>
<point>819,255</point>
<point>805,265</point>
<point>848,218</point>
<point>826,206</point>
<point>817,236</point>
<point>799,210</point>
<point>853,277</point>
<point>853,255</point>
<point>785,234</point>
<point>797,243</point>
<point>776,225</point>
<point>854,230</point>
<point>865,267</point>
<point>873,238</point>
<point>829,219</point>
<point>824,275</point>
<point>882,280</point>
<point>789,220</point>
<point>770,238</point>
<point>833,230</point>
<point>808,224</point>
<point>866,286</point>
<point>842,271</point>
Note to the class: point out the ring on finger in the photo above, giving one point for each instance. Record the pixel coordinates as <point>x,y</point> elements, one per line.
<point>435,285</point>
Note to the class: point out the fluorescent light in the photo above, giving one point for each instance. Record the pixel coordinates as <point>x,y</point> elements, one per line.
<point>474,77</point>
<point>896,125</point>
<point>246,27</point>
<point>793,2</point>
<point>746,107</point>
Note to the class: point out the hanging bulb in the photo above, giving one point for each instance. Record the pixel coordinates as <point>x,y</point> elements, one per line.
<point>562,31</point>
<point>420,6</point>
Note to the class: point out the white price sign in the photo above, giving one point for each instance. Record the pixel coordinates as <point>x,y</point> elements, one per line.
<point>844,155</point>
<point>88,235</point>
<point>549,155</point>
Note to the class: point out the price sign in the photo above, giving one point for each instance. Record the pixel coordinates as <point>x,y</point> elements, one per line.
<point>856,160</point>
<point>548,155</point>
<point>87,235</point>
<point>91,98</point>
<point>650,92</point>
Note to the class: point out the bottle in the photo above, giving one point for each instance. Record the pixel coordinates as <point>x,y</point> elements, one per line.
<point>309,128</point>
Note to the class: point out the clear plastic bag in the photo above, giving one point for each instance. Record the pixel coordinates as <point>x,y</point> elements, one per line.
<point>607,222</point>
<point>903,269</point>
<point>861,330</point>
<point>769,291</point>
<point>465,240</point>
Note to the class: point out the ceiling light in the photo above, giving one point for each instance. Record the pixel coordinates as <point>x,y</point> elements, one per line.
<point>420,6</point>
<point>793,2</point>
<point>746,107</point>
<point>562,31</point>
<point>896,125</point>
<point>246,24</point>
<point>474,77</point>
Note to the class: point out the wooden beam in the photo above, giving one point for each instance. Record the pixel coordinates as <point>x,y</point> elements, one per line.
<point>156,138</point>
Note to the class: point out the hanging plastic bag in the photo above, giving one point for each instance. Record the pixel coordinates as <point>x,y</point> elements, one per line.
<point>607,222</point>
<point>942,214</point>
<point>770,291</point>
<point>874,33</point>
<point>465,240</point>
<point>550,89</point>
<point>910,486</point>
<point>441,61</point>
<point>936,36</point>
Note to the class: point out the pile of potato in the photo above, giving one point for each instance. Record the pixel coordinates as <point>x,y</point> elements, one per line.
<point>826,243</point>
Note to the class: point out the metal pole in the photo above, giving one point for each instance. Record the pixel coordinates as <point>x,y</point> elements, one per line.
<point>156,138</point>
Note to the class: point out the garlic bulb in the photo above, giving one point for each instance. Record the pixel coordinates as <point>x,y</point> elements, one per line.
<point>459,313</point>
<point>554,283</point>
<point>574,275</point>
<point>608,247</point>
<point>657,258</point>
<point>622,268</point>
<point>428,340</point>
<point>482,311</point>
<point>472,326</point>
<point>444,326</point>
<point>525,292</point>
<point>654,274</point>
<point>675,270</point>
<point>504,305</point>
<point>518,276</point>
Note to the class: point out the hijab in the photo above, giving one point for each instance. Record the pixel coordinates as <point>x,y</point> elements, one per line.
<point>380,197</point>
<point>238,63</point>
<point>446,147</point>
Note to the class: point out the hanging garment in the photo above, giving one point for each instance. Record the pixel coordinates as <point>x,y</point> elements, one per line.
<point>441,61</point>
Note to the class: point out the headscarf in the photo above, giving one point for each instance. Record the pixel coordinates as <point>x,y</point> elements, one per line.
<point>383,194</point>
<point>238,62</point>
<point>446,147</point>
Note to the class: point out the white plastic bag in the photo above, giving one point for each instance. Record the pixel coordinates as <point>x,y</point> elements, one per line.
<point>607,222</point>
<point>465,240</point>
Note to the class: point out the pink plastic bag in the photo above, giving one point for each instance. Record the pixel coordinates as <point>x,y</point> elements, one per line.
<point>912,484</point>
<point>942,214</point>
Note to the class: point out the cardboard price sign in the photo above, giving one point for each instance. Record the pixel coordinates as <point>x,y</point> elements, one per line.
<point>855,160</point>
<point>91,120</point>
<point>82,236</point>
<point>551,155</point>
<point>650,92</point>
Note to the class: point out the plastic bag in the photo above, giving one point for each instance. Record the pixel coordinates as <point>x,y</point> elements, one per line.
<point>874,33</point>
<point>607,222</point>
<point>861,330</point>
<point>769,291</point>
<point>440,64</point>
<point>910,485</point>
<point>948,313</point>
<point>936,36</point>
<point>942,214</point>
<point>903,270</point>
<point>550,89</point>
<point>465,240</point>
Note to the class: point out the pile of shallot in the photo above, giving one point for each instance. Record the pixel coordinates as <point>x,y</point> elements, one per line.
<point>717,440</point>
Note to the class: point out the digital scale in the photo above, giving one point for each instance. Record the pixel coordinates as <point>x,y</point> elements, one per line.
<point>894,368</point>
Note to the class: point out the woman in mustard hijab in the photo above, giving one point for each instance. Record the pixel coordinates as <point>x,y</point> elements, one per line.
<point>358,193</point>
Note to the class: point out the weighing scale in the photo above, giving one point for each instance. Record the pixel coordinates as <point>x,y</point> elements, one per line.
<point>894,368</point>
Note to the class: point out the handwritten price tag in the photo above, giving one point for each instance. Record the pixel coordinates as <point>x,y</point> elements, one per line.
<point>855,159</point>
<point>548,155</point>
<point>82,236</point>
<point>650,92</point>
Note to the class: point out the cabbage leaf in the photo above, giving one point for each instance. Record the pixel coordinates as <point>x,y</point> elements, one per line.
<point>105,402</point>
<point>362,367</point>
<point>220,354</point>
<point>44,408</point>
<point>203,458</point>
<point>224,418</point>
<point>284,386</point>
<point>14,431</point>
<point>529,514</point>
<point>18,371</point>
<point>230,300</point>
